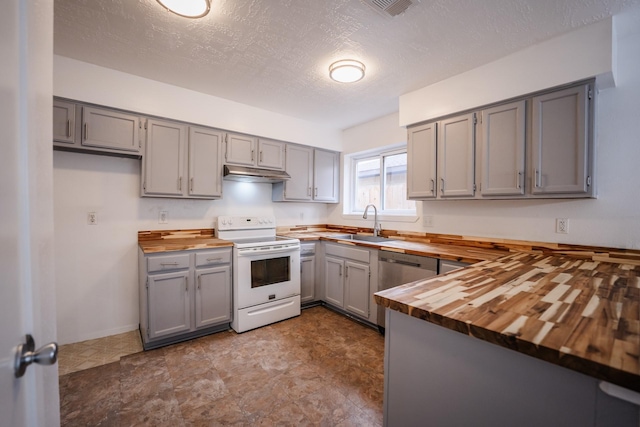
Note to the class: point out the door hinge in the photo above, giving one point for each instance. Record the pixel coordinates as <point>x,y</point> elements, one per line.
<point>590,94</point>
<point>474,187</point>
<point>588,181</point>
<point>475,119</point>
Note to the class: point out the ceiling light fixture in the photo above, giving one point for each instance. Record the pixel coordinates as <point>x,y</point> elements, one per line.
<point>187,8</point>
<point>346,71</point>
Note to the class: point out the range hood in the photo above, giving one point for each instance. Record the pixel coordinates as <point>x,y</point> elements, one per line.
<point>249,174</point>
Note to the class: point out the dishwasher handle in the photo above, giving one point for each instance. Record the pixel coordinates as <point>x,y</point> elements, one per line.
<point>397,261</point>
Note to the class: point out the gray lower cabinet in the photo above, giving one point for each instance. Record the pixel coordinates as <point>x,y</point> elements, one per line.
<point>184,295</point>
<point>307,272</point>
<point>347,279</point>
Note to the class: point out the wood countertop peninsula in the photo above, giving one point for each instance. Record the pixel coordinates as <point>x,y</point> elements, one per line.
<point>577,313</point>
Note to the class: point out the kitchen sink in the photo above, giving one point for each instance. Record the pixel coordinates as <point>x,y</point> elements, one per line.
<point>356,237</point>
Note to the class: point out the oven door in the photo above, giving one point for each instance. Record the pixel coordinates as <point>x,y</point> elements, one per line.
<point>266,274</point>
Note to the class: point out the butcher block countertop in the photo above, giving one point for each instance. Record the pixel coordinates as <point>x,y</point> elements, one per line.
<point>578,313</point>
<point>179,240</point>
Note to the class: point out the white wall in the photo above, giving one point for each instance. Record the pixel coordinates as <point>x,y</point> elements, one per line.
<point>612,220</point>
<point>96,266</point>
<point>586,52</point>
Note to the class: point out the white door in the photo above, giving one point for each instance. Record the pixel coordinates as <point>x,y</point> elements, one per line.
<point>27,294</point>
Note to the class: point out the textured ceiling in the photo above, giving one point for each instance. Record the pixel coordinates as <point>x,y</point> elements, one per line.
<point>275,54</point>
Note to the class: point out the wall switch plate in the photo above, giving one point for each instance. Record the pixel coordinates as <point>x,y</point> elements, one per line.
<point>92,218</point>
<point>163,218</point>
<point>562,225</point>
<point>427,220</point>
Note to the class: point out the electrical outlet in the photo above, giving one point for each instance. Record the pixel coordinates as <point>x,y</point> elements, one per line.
<point>163,218</point>
<point>562,225</point>
<point>428,220</point>
<point>92,218</point>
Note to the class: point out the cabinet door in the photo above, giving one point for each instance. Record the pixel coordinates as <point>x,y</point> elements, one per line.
<point>64,115</point>
<point>503,139</point>
<point>326,176</point>
<point>559,139</point>
<point>334,281</point>
<point>357,288</point>
<point>299,164</point>
<point>307,278</point>
<point>456,145</point>
<point>169,311</point>
<point>241,149</point>
<point>270,154</point>
<point>164,159</point>
<point>110,129</point>
<point>421,162</point>
<point>205,162</point>
<point>213,296</point>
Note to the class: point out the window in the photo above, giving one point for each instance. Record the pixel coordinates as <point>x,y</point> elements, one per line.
<point>380,178</point>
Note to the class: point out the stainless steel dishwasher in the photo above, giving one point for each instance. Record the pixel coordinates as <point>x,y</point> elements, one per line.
<point>397,269</point>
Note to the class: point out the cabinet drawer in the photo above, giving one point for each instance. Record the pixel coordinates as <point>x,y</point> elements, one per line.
<point>167,262</point>
<point>213,257</point>
<point>307,249</point>
<point>342,251</point>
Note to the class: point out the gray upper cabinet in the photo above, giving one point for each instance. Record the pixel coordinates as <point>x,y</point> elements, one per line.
<point>502,163</point>
<point>456,156</point>
<point>177,166</point>
<point>560,142</point>
<point>240,149</point>
<point>110,129</point>
<point>205,162</point>
<point>64,119</point>
<point>326,176</point>
<point>421,162</point>
<point>164,160</point>
<point>315,175</point>
<point>270,154</point>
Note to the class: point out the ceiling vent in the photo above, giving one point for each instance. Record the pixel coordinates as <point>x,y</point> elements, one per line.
<point>390,8</point>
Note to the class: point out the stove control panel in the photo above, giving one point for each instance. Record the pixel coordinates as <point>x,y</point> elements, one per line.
<point>245,222</point>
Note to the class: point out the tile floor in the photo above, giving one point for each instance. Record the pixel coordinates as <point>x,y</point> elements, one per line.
<point>89,354</point>
<point>320,368</point>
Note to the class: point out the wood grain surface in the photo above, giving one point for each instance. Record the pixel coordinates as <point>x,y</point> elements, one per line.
<point>577,313</point>
<point>179,240</point>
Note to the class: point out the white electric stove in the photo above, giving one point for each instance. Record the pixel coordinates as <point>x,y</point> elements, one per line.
<point>266,271</point>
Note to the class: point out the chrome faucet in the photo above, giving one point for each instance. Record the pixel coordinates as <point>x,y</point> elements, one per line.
<point>376,226</point>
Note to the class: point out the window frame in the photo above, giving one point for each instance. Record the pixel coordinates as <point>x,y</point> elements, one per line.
<point>379,153</point>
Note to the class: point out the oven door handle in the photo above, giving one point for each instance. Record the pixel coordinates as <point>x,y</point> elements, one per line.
<point>250,253</point>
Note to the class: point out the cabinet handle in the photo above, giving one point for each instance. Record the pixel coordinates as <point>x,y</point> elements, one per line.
<point>316,192</point>
<point>261,157</point>
<point>68,128</point>
<point>309,191</point>
<point>442,182</point>
<point>518,176</point>
<point>433,186</point>
<point>168,263</point>
<point>180,183</point>
<point>346,271</point>
<point>199,281</point>
<point>86,131</point>
<point>536,178</point>
<point>191,183</point>
<point>186,284</point>
<point>252,151</point>
<point>340,272</point>
<point>214,259</point>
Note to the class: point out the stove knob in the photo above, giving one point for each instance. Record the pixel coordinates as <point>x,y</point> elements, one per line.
<point>270,221</point>
<point>260,220</point>
<point>230,221</point>
<point>223,221</point>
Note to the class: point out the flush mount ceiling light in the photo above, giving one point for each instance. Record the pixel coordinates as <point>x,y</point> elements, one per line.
<point>187,8</point>
<point>346,71</point>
